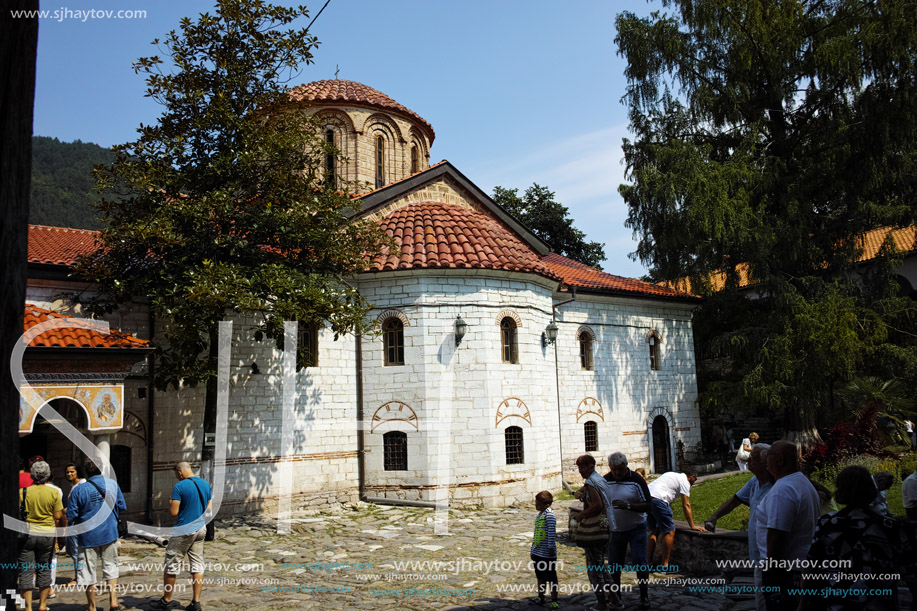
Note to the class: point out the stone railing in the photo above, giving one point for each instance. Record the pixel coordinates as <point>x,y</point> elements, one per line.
<point>696,553</point>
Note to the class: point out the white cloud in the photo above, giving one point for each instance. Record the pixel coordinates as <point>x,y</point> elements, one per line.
<point>585,172</point>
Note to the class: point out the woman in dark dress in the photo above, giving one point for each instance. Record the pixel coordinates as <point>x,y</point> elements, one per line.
<point>874,544</point>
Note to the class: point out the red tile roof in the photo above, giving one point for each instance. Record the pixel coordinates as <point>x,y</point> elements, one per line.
<point>358,94</point>
<point>582,276</point>
<point>74,337</point>
<point>904,239</point>
<point>59,245</point>
<point>434,235</point>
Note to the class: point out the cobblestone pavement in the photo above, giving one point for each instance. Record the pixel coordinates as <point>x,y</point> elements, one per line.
<point>351,558</point>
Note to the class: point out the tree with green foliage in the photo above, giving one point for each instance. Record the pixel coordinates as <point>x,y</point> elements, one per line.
<point>551,222</point>
<point>772,133</point>
<point>221,206</point>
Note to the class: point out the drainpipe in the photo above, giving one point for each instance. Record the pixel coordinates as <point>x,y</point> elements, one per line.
<point>150,416</point>
<point>361,461</point>
<point>560,441</point>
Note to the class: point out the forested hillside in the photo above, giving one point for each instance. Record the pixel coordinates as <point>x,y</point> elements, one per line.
<point>62,184</point>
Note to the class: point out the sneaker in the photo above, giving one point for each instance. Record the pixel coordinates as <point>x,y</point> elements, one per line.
<point>553,605</point>
<point>644,604</point>
<point>161,603</point>
<point>193,606</point>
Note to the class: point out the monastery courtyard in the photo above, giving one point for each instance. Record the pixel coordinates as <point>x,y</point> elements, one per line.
<point>378,557</point>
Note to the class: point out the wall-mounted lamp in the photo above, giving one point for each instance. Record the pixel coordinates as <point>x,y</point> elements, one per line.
<point>460,328</point>
<point>255,369</point>
<point>550,335</point>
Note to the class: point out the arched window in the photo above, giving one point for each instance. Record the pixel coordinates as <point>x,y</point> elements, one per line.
<point>415,164</point>
<point>585,350</point>
<point>393,341</point>
<point>591,429</point>
<point>380,161</point>
<point>653,341</point>
<point>330,178</point>
<point>509,351</point>
<point>307,345</point>
<point>121,463</point>
<point>395,451</point>
<point>515,454</point>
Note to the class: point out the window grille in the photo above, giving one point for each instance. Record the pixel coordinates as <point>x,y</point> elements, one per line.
<point>515,454</point>
<point>395,446</point>
<point>592,436</point>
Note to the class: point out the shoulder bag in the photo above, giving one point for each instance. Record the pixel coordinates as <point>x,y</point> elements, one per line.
<point>211,528</point>
<point>591,531</point>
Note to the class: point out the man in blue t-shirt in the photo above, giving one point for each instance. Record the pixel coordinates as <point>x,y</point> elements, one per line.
<point>190,498</point>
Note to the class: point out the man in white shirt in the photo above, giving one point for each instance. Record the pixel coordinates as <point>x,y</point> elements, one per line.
<point>785,524</point>
<point>752,494</point>
<point>909,495</point>
<point>668,487</point>
<point>912,436</point>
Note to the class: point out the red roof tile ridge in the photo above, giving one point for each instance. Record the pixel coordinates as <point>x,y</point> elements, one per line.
<point>74,229</point>
<point>576,274</point>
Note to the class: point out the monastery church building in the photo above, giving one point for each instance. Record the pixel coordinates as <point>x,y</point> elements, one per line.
<point>498,362</point>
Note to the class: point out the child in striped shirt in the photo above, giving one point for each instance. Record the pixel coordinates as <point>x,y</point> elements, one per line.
<point>544,549</point>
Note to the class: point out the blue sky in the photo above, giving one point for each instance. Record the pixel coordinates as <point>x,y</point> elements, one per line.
<point>517,91</point>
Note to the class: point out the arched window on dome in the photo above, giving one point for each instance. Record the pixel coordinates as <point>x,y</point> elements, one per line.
<point>415,163</point>
<point>330,178</point>
<point>380,161</point>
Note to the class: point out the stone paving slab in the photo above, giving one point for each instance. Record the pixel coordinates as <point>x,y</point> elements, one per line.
<point>359,557</point>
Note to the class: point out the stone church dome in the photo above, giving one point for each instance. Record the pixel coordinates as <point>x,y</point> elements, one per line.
<point>356,94</point>
<point>380,140</point>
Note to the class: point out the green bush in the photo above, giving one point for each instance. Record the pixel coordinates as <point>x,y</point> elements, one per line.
<point>900,468</point>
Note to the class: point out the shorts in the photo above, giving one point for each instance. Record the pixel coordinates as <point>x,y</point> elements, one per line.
<point>193,545</point>
<point>545,568</point>
<point>660,517</point>
<point>94,559</point>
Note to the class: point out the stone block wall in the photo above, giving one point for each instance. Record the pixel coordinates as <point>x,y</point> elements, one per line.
<point>464,397</point>
<point>622,394</point>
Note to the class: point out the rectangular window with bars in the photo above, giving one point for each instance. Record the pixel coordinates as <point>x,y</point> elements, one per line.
<point>591,430</point>
<point>395,451</point>
<point>515,453</point>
